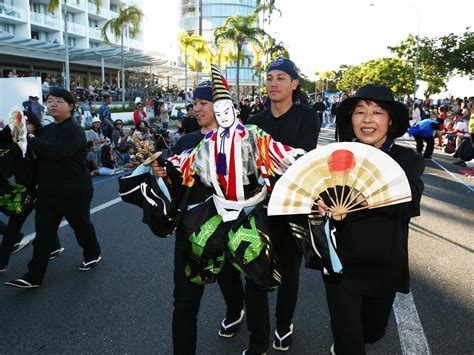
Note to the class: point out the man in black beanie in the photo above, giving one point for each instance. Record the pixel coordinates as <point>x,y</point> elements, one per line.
<point>64,188</point>
<point>298,126</point>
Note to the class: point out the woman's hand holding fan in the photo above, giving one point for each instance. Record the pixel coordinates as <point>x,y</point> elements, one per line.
<point>338,179</point>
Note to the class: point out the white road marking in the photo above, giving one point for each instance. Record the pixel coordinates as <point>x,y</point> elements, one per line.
<point>410,331</point>
<point>27,238</point>
<point>454,176</point>
<point>411,144</point>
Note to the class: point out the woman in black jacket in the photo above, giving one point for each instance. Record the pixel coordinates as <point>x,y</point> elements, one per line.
<point>64,188</point>
<point>372,243</point>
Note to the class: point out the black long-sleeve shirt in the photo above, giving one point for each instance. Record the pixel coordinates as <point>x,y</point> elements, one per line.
<point>61,152</point>
<point>373,243</point>
<point>298,127</point>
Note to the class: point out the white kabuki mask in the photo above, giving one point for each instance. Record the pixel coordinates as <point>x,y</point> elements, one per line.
<point>226,114</point>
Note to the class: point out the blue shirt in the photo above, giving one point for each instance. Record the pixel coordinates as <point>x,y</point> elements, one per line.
<point>104,112</point>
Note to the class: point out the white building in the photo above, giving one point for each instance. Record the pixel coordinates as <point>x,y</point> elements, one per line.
<point>32,40</point>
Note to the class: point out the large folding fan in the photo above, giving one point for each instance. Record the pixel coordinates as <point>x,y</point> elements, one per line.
<point>347,176</point>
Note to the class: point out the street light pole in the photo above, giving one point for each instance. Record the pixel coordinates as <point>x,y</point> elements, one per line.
<point>417,55</point>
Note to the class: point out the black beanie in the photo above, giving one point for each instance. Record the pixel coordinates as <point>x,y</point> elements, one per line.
<point>62,93</point>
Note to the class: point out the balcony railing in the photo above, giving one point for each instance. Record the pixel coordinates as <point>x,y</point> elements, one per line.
<point>12,11</point>
<point>44,20</point>
<point>95,33</point>
<point>77,4</point>
<point>92,8</point>
<point>133,43</point>
<point>76,28</point>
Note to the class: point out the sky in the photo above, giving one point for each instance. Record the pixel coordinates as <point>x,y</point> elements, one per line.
<point>322,35</point>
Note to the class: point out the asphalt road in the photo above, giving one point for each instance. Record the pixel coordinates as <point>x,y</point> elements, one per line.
<point>125,304</point>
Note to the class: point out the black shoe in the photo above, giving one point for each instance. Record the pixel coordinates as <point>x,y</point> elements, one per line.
<point>460,163</point>
<point>3,268</point>
<point>427,158</point>
<point>283,342</point>
<point>55,253</point>
<point>230,326</point>
<point>90,264</point>
<point>21,284</point>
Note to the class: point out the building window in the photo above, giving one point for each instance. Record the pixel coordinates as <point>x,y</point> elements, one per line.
<point>39,8</point>
<point>93,23</point>
<point>71,42</point>
<point>7,27</point>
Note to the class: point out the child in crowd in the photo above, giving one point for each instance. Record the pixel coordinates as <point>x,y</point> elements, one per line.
<point>91,157</point>
<point>107,159</point>
<point>129,159</point>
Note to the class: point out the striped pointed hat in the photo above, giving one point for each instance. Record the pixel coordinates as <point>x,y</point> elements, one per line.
<point>220,87</point>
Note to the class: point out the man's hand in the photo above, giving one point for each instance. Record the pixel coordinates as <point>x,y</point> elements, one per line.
<point>158,170</point>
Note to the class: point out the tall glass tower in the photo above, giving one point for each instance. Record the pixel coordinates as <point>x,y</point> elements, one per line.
<point>203,16</point>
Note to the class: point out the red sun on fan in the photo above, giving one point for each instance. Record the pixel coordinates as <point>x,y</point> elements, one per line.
<point>341,161</point>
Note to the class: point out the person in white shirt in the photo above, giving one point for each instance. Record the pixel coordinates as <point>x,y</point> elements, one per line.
<point>415,115</point>
<point>45,88</point>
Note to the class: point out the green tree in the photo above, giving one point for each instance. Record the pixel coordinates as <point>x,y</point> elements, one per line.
<point>128,16</point>
<point>439,58</point>
<point>393,72</point>
<point>52,6</point>
<point>239,30</point>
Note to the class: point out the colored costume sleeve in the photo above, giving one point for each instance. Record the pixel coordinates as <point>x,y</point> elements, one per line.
<point>274,156</point>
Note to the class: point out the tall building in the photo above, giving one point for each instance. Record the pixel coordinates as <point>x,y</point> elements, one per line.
<point>32,39</point>
<point>203,16</point>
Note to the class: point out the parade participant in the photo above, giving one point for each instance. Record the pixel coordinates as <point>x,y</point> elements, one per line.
<point>297,126</point>
<point>25,172</point>
<point>64,189</point>
<point>235,163</point>
<point>375,264</point>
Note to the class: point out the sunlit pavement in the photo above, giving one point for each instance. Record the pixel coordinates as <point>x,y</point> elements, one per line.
<point>125,304</point>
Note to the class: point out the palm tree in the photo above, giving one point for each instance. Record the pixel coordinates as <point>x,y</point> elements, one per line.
<point>270,50</point>
<point>52,6</point>
<point>239,30</point>
<point>128,16</point>
<point>195,52</point>
<point>264,6</point>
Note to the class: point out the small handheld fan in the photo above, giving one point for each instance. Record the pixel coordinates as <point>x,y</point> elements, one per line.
<point>347,176</point>
<point>17,123</point>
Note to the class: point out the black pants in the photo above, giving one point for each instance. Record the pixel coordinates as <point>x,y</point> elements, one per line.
<point>50,209</point>
<point>429,145</point>
<point>13,236</point>
<point>356,319</point>
<point>187,299</point>
<point>256,299</point>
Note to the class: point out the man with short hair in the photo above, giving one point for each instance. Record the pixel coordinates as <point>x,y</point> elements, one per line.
<point>106,117</point>
<point>36,107</point>
<point>297,126</point>
<point>320,107</point>
<point>257,106</point>
<point>190,123</point>
<point>245,110</point>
